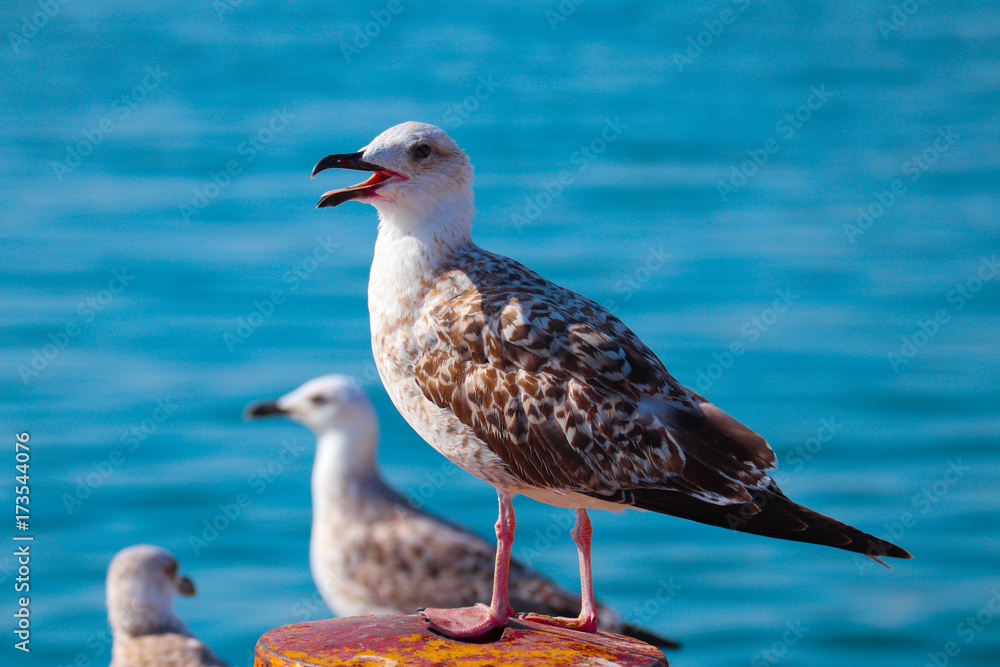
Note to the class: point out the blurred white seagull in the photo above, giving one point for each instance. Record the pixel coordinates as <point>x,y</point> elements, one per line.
<point>142,583</point>
<point>539,390</point>
<point>372,551</point>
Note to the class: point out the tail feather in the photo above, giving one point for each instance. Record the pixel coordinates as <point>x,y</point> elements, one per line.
<point>771,514</point>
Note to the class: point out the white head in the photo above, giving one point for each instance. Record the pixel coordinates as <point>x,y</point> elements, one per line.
<point>421,180</point>
<point>141,585</point>
<point>338,411</point>
<point>326,403</point>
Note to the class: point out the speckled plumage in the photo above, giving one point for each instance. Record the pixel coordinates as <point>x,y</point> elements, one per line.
<point>372,551</point>
<point>562,392</point>
<point>541,391</point>
<point>392,558</point>
<point>538,390</point>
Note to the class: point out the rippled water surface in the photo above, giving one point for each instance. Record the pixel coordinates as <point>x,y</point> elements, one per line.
<point>813,187</point>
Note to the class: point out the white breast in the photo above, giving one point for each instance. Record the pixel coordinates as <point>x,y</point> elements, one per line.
<point>396,289</point>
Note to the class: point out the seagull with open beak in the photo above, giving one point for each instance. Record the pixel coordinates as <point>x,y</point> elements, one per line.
<point>541,391</point>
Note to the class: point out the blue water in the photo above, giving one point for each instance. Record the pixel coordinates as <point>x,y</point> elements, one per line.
<point>135,263</point>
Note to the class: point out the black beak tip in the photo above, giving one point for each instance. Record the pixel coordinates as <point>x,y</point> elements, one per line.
<point>328,162</point>
<point>185,586</point>
<point>345,161</point>
<point>263,409</point>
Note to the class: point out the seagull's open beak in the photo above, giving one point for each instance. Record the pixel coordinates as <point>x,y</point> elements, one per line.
<point>263,409</point>
<point>369,188</point>
<point>185,586</point>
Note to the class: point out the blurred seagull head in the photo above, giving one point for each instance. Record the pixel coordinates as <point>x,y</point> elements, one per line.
<point>141,585</point>
<point>327,404</point>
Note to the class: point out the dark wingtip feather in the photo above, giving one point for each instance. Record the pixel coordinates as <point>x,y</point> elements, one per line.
<point>770,514</point>
<point>648,637</point>
<point>877,547</point>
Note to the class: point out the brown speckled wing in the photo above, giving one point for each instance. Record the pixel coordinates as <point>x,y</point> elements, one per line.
<point>164,650</point>
<point>415,561</point>
<point>567,396</point>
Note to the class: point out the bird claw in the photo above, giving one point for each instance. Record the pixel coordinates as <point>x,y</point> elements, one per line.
<point>581,624</point>
<point>464,622</point>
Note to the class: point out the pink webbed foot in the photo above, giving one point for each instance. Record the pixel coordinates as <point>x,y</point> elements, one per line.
<point>464,622</point>
<point>582,624</point>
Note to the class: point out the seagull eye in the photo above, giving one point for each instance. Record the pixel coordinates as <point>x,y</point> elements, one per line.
<point>421,151</point>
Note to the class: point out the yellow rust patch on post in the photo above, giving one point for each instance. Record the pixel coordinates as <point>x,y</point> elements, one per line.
<point>404,641</point>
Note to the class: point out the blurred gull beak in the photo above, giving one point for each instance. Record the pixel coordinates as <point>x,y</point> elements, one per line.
<point>185,586</point>
<point>263,409</point>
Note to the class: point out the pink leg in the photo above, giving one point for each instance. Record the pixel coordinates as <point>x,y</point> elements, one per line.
<point>468,622</point>
<point>587,621</point>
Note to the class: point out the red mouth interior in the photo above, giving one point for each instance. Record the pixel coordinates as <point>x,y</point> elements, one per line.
<point>376,178</point>
<point>369,185</point>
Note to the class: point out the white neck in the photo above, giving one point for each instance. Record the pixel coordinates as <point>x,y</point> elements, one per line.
<point>444,218</point>
<point>344,466</point>
<point>412,242</point>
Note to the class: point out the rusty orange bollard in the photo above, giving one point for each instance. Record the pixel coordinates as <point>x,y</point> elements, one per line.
<point>404,641</point>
